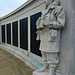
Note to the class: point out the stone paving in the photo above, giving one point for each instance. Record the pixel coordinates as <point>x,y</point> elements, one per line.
<point>10,65</point>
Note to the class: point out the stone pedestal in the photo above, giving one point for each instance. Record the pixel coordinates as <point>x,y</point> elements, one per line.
<point>40,73</point>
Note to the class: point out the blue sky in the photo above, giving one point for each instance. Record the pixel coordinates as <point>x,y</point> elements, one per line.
<point>7,6</point>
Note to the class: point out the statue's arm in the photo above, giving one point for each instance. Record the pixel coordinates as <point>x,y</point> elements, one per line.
<point>60,21</point>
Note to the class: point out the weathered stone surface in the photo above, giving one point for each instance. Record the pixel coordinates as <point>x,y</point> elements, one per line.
<point>41,73</point>
<point>49,27</point>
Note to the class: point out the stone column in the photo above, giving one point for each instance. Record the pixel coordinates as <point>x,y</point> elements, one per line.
<point>67,53</point>
<point>29,34</point>
<point>5,34</point>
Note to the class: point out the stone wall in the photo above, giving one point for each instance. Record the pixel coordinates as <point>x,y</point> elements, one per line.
<point>67,39</point>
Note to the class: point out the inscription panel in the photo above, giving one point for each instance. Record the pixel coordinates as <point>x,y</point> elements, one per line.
<point>24,33</point>
<point>34,43</point>
<point>3,33</point>
<point>8,33</point>
<point>15,33</point>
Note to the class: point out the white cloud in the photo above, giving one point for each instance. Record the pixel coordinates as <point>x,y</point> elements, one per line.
<point>6,6</point>
<point>4,10</point>
<point>21,1</point>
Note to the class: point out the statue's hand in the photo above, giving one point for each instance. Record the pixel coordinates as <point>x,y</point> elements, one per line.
<point>37,22</point>
<point>39,18</point>
<point>44,23</point>
<point>50,24</point>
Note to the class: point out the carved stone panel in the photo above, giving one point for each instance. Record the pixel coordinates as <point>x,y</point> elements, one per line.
<point>34,43</point>
<point>8,27</point>
<point>15,33</point>
<point>24,33</point>
<point>3,33</point>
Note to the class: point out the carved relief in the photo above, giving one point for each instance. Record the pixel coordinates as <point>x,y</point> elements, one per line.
<point>49,26</point>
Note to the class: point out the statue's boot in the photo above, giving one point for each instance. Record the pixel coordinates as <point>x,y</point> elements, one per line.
<point>43,69</point>
<point>51,71</point>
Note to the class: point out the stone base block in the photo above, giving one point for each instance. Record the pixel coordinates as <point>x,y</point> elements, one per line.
<point>40,73</point>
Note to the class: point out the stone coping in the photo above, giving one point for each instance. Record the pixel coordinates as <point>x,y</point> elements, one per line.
<point>27,59</point>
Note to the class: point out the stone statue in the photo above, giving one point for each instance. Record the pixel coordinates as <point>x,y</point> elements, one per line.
<point>49,26</point>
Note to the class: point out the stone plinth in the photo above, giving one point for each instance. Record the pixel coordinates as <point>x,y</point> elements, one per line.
<point>40,73</point>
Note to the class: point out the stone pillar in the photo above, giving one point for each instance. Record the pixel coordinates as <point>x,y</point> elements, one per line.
<point>5,34</point>
<point>29,34</point>
<point>67,53</point>
<point>72,23</point>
